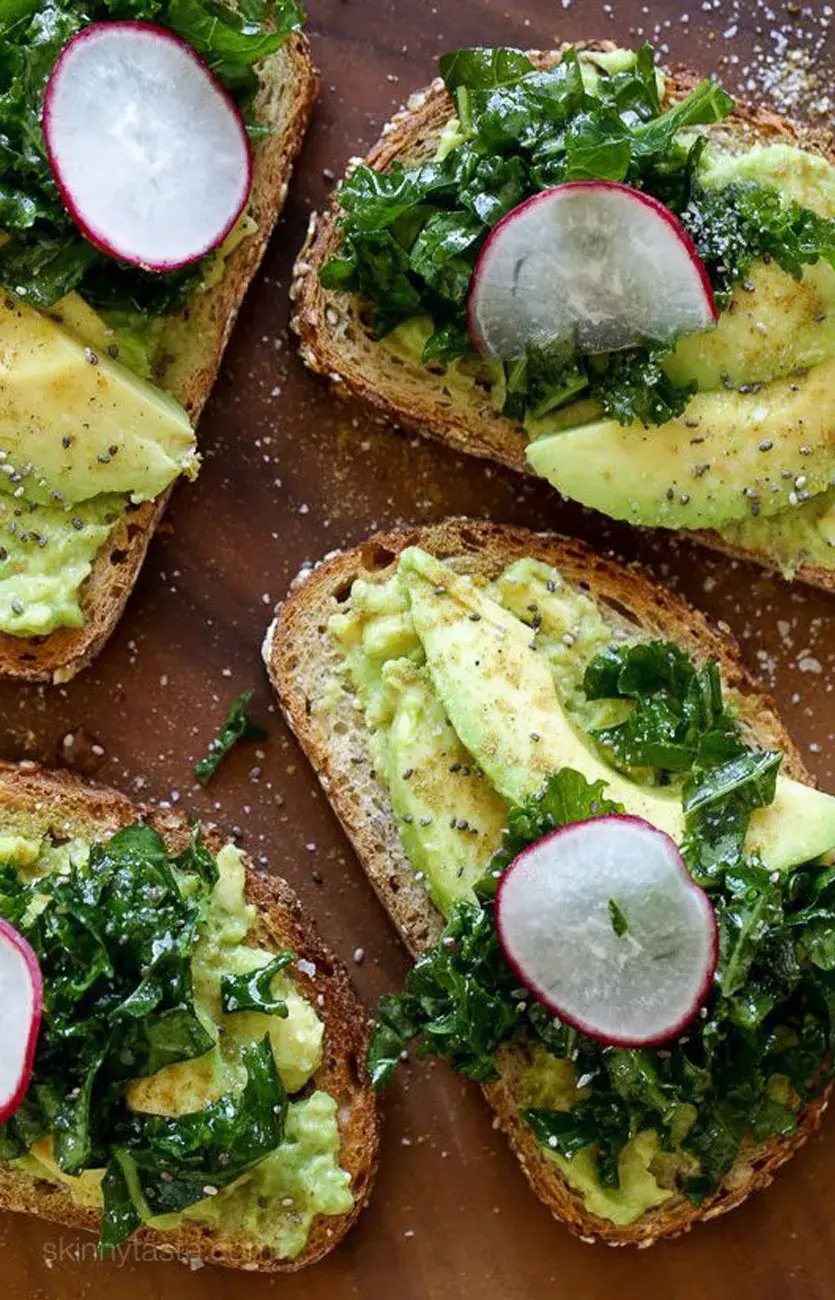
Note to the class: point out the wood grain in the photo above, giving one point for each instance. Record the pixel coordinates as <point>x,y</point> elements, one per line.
<point>289,475</point>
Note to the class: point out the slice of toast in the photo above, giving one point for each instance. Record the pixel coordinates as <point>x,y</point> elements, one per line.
<point>301,660</point>
<point>192,345</point>
<point>38,802</point>
<point>334,327</point>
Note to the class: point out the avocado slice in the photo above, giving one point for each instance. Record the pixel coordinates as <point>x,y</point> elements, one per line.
<point>730,456</point>
<point>500,696</point>
<point>75,424</point>
<point>773,326</point>
<point>449,817</point>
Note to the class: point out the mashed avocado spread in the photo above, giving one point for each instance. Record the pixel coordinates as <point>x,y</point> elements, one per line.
<point>497,710</point>
<point>203,1053</point>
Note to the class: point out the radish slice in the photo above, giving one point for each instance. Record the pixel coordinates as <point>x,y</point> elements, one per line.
<point>149,152</point>
<point>21,1005</point>
<point>606,927</point>
<point>594,265</point>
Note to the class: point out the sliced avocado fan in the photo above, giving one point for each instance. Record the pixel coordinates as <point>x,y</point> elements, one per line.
<point>501,698</point>
<point>730,456</point>
<point>75,424</point>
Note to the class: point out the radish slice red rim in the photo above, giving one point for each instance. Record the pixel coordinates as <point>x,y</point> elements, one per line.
<point>21,1005</point>
<point>593,265</point>
<point>603,923</point>
<point>149,152</point>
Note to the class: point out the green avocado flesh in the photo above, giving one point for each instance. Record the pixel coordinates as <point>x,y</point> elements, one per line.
<point>81,437</point>
<point>756,443</point>
<point>276,1202</point>
<point>84,433</point>
<point>732,455</point>
<point>472,695</point>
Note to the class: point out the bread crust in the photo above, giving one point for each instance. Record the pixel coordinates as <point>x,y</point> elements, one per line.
<point>58,803</point>
<point>299,663</point>
<point>334,339</point>
<point>289,87</point>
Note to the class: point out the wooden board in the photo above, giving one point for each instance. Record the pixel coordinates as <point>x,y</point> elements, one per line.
<point>289,474</point>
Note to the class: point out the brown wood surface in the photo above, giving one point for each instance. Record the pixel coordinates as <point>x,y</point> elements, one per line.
<point>289,474</point>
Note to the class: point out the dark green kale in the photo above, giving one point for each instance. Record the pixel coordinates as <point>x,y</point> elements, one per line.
<point>635,388</point>
<point>253,992</point>
<point>620,925</point>
<point>237,727</point>
<point>679,720</point>
<point>45,256</point>
<point>160,1165</point>
<point>761,1048</point>
<point>743,223</point>
<point>114,942</point>
<point>718,803</point>
<point>115,938</point>
<point>411,237</point>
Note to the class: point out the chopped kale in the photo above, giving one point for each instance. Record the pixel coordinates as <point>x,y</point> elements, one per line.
<point>237,727</point>
<point>761,1048</point>
<point>115,937</point>
<point>45,256</point>
<point>742,223</point>
<point>253,991</point>
<point>620,925</point>
<point>679,719</point>
<point>411,236</point>
<point>161,1165</point>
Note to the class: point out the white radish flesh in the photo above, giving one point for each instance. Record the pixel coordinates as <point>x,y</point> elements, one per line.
<point>591,265</point>
<point>604,924</point>
<point>21,1002</point>
<point>150,154</point>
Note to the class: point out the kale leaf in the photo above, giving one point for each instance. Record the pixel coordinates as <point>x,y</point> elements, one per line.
<point>742,223</point>
<point>718,803</point>
<point>679,720</point>
<point>237,727</point>
<point>253,991</point>
<point>45,256</point>
<point>161,1165</point>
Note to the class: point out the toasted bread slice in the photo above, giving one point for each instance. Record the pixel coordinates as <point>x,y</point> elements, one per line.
<point>301,661</point>
<point>335,336</point>
<point>36,801</point>
<point>192,345</point>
